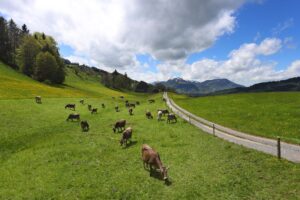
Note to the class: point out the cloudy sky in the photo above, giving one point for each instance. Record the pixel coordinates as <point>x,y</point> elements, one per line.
<point>246,41</point>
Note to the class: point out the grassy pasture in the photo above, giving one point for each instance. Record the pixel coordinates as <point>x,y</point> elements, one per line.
<point>264,114</point>
<point>44,157</point>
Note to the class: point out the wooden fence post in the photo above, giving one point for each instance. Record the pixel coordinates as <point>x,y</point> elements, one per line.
<point>278,148</point>
<point>214,129</point>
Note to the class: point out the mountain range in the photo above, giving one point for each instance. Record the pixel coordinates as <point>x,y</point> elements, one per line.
<point>199,88</point>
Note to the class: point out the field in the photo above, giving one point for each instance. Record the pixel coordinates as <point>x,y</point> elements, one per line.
<point>44,157</point>
<point>264,114</point>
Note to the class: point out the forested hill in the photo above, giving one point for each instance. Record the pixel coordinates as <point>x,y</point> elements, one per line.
<point>37,56</point>
<point>292,84</point>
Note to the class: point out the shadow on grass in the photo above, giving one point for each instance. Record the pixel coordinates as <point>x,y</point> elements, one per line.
<point>131,143</point>
<point>157,175</point>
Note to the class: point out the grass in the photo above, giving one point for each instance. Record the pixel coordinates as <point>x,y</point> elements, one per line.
<point>44,157</point>
<point>264,114</point>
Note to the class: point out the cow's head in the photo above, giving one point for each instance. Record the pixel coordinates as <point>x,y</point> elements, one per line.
<point>164,173</point>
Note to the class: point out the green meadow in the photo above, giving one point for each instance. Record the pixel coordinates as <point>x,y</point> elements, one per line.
<point>42,156</point>
<point>263,114</point>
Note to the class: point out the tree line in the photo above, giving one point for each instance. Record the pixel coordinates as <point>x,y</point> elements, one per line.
<point>35,55</point>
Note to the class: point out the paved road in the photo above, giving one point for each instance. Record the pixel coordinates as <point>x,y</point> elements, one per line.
<point>288,151</point>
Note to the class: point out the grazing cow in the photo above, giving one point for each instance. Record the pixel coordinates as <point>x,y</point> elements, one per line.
<point>151,159</point>
<point>127,133</point>
<point>159,115</point>
<point>126,101</point>
<point>103,105</point>
<point>81,101</point>
<point>122,97</point>
<point>126,104</point>
<point>164,99</point>
<point>70,106</point>
<point>90,107</point>
<point>38,99</point>
<point>151,100</point>
<point>117,108</point>
<point>130,110</point>
<point>94,110</point>
<point>171,117</point>
<point>137,103</point>
<point>73,116</point>
<point>132,105</point>
<point>84,126</point>
<point>149,115</point>
<point>164,111</point>
<point>119,125</point>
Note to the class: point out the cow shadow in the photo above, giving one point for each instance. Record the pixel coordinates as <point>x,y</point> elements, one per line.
<point>130,144</point>
<point>157,175</point>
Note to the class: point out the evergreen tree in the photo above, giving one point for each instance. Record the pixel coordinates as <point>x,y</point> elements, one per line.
<point>25,31</point>
<point>4,41</point>
<point>14,34</point>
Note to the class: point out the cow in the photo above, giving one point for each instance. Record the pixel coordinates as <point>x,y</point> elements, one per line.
<point>127,133</point>
<point>159,115</point>
<point>132,105</point>
<point>119,125</point>
<point>130,110</point>
<point>38,99</point>
<point>84,126</point>
<point>70,106</point>
<point>122,97</point>
<point>117,108</point>
<point>103,105</point>
<point>94,110</point>
<point>149,115</point>
<point>81,101</point>
<point>171,117</point>
<point>151,100</point>
<point>151,159</point>
<point>164,111</point>
<point>164,99</point>
<point>137,103</point>
<point>90,107</point>
<point>73,116</point>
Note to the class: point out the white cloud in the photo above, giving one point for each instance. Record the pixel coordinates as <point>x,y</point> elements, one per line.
<point>112,32</point>
<point>243,65</point>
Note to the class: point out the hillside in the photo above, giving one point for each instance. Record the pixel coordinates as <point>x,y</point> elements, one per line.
<point>292,84</point>
<point>269,114</point>
<point>198,88</point>
<point>42,156</point>
<point>80,85</point>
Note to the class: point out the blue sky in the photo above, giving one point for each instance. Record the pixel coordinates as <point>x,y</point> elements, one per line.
<point>190,39</point>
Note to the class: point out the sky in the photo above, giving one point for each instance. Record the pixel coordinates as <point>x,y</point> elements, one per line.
<point>245,41</point>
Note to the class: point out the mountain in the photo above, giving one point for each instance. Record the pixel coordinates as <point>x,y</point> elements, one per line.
<point>198,88</point>
<point>292,84</point>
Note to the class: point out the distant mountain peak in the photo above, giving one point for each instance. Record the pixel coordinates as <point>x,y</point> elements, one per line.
<point>195,87</point>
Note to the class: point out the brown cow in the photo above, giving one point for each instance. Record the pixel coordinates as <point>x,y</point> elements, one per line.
<point>151,159</point>
<point>171,117</point>
<point>149,115</point>
<point>130,110</point>
<point>38,99</point>
<point>94,110</point>
<point>127,133</point>
<point>70,106</point>
<point>84,126</point>
<point>119,125</point>
<point>73,116</point>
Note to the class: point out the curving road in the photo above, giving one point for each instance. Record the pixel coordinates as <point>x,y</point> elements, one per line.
<point>289,152</point>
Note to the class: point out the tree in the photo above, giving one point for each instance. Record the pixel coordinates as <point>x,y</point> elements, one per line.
<point>25,31</point>
<point>14,34</point>
<point>142,87</point>
<point>46,67</point>
<point>4,41</point>
<point>27,53</point>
